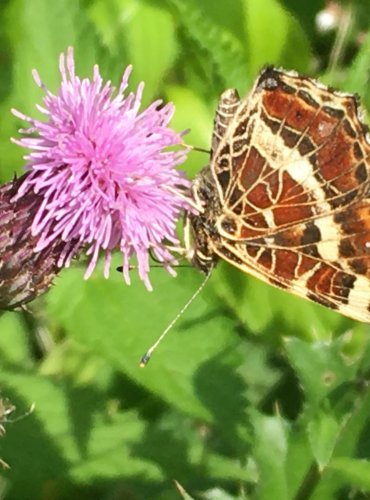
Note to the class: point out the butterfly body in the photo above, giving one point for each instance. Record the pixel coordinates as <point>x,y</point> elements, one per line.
<point>286,195</point>
<point>202,226</point>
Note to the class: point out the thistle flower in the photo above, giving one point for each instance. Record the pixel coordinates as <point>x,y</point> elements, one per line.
<point>103,174</point>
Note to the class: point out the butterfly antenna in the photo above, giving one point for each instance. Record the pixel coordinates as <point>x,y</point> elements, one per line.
<point>201,150</point>
<point>145,359</point>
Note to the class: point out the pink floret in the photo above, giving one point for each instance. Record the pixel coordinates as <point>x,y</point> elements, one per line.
<point>106,171</point>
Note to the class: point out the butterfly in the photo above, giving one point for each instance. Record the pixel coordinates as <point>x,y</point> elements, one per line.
<point>286,194</point>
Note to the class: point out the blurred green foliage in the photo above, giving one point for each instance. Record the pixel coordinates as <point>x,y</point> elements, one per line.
<point>255,394</point>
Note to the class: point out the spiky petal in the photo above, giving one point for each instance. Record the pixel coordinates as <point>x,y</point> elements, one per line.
<point>105,173</point>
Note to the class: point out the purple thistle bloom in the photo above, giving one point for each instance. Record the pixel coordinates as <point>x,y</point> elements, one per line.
<point>105,172</point>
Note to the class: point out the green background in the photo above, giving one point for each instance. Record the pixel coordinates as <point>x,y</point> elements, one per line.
<point>255,394</point>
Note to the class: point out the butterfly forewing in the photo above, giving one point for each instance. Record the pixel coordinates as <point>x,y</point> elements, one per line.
<point>226,109</point>
<point>286,195</point>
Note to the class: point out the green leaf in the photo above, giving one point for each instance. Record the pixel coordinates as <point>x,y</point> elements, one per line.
<point>263,308</point>
<point>107,16</point>
<point>219,467</point>
<point>227,15</point>
<point>299,458</point>
<point>140,33</point>
<point>151,45</point>
<point>323,431</point>
<point>220,46</point>
<point>321,366</point>
<point>14,348</point>
<point>105,317</point>
<point>270,453</point>
<point>40,30</point>
<point>68,358</point>
<point>192,112</point>
<point>44,30</point>
<point>289,48</point>
<point>219,494</point>
<point>75,436</point>
<point>234,288</point>
<point>306,12</point>
<point>357,77</point>
<point>354,472</point>
<point>349,441</point>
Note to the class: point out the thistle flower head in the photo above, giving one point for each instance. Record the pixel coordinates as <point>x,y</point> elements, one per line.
<point>105,172</point>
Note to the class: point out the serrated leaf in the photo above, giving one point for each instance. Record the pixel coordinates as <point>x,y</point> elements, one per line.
<point>321,366</point>
<point>70,430</point>
<point>222,47</point>
<point>348,444</point>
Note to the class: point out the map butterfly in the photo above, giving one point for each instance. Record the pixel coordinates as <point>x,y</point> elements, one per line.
<point>286,196</point>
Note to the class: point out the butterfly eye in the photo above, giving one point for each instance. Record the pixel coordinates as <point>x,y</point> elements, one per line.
<point>229,226</point>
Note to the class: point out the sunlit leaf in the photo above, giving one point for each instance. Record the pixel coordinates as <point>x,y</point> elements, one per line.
<point>354,471</point>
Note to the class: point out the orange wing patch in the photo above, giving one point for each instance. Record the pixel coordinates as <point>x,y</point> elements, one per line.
<point>286,197</point>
